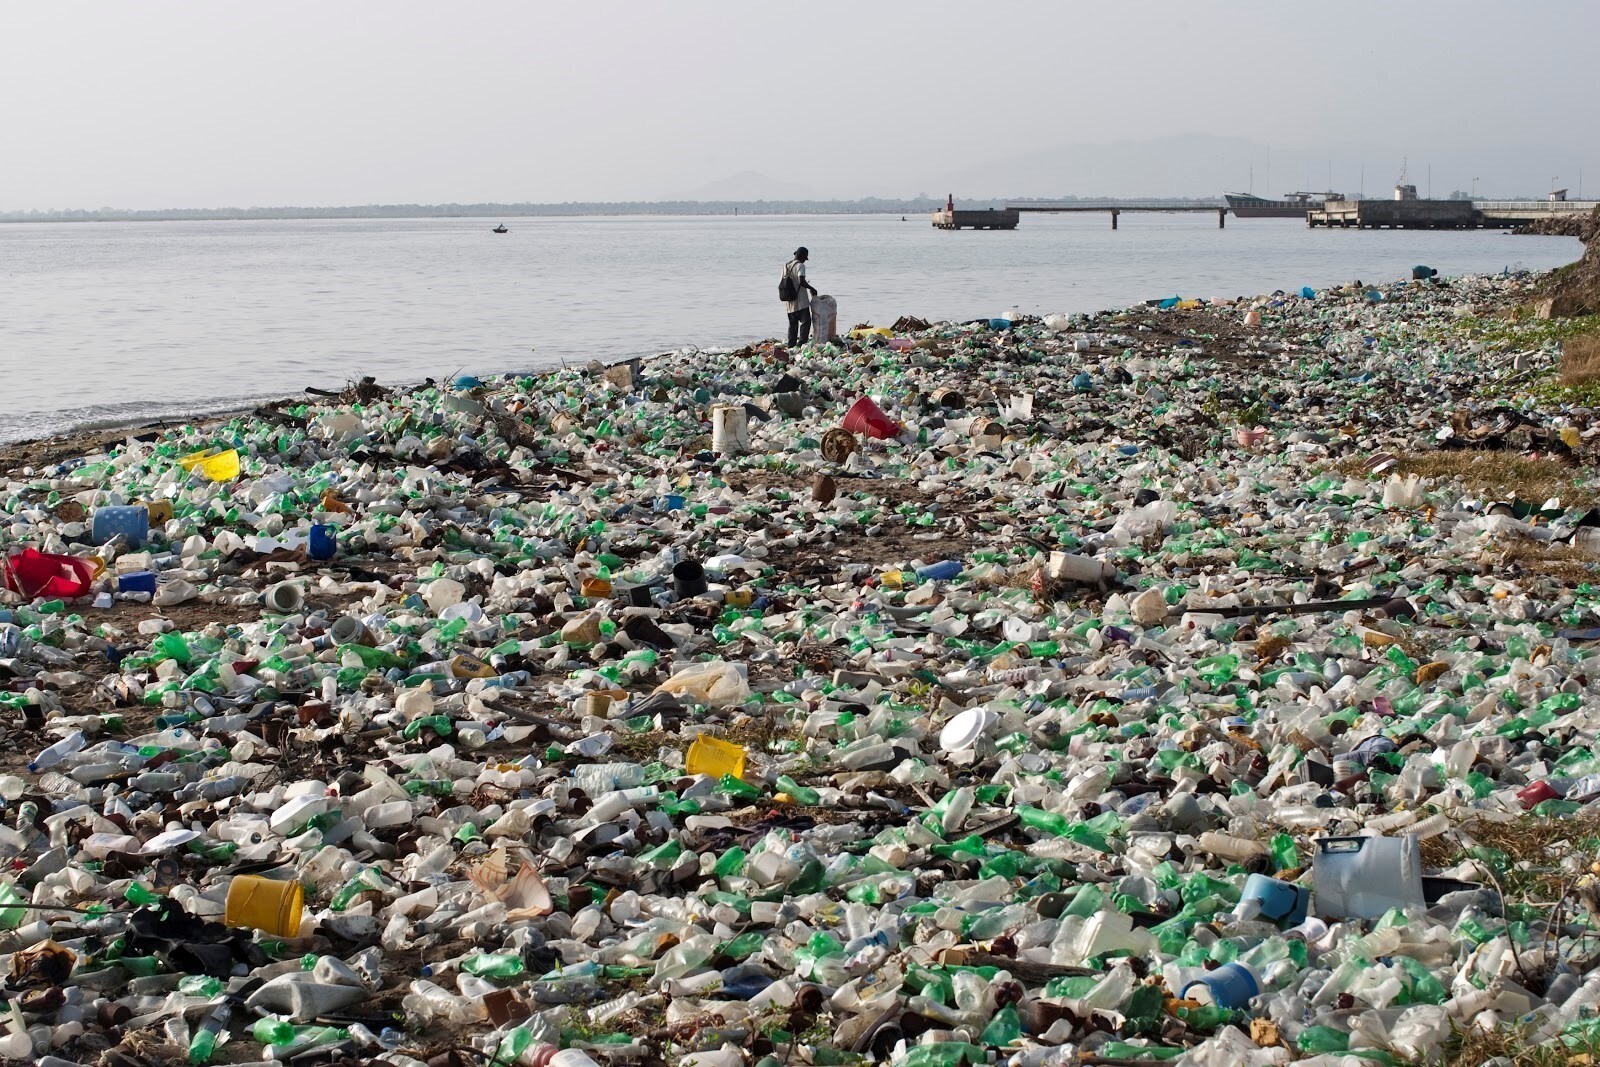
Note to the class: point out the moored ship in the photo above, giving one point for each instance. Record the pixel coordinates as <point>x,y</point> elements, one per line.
<point>1293,206</point>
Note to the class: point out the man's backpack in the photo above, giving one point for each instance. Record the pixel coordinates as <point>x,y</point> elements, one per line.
<point>786,287</point>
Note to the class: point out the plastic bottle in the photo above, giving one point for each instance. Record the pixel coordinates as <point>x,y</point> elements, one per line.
<point>499,965</point>
<point>57,752</point>
<point>1585,997</point>
<point>1233,849</point>
<point>203,1046</point>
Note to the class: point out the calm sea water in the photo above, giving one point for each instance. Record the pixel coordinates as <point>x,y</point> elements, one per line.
<point>102,323</point>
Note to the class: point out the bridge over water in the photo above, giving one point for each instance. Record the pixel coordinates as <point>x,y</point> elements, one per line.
<point>1117,207</point>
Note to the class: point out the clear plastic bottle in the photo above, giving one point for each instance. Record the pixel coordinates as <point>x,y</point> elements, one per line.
<point>56,753</point>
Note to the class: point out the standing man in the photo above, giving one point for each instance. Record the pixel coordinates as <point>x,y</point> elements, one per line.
<point>798,303</point>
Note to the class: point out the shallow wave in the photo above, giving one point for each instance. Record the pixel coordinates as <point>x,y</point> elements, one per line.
<point>32,426</point>
<point>115,416</point>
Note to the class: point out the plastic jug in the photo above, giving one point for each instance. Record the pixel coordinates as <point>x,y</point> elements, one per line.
<point>1275,900</point>
<point>1229,986</point>
<point>730,429</point>
<point>1363,877</point>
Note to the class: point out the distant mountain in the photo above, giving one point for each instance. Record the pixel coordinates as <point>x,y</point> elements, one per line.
<point>749,185</point>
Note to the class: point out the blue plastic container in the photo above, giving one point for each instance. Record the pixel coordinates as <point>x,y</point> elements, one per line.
<point>129,520</point>
<point>137,582</point>
<point>942,571</point>
<point>1281,902</point>
<point>320,544</point>
<point>1229,986</point>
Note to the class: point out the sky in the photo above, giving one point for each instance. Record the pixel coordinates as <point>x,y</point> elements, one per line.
<point>172,103</point>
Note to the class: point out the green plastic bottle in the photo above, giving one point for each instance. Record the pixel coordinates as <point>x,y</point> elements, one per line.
<point>730,786</point>
<point>517,1041</point>
<point>140,895</point>
<point>367,878</point>
<point>1003,1029</point>
<point>801,794</point>
<point>501,965</point>
<point>1318,1039</point>
<point>1051,822</point>
<point>200,985</point>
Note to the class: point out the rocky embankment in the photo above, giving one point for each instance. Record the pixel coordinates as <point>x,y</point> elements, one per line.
<point>1575,289</point>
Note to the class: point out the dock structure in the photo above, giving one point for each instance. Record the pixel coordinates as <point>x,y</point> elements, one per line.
<point>1503,213</point>
<point>1395,215</point>
<point>1115,208</point>
<point>1408,211</point>
<point>951,219</point>
<point>1441,214</point>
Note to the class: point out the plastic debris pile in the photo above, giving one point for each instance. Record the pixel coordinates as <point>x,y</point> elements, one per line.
<point>1043,691</point>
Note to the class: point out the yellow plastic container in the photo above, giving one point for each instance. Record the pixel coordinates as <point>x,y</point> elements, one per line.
<point>465,666</point>
<point>595,588</point>
<point>739,598</point>
<point>714,756</point>
<point>215,465</point>
<point>270,905</point>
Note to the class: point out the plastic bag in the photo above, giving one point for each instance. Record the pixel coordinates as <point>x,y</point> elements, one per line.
<point>715,684</point>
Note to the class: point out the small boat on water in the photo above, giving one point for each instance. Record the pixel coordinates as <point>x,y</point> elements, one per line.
<point>500,229</point>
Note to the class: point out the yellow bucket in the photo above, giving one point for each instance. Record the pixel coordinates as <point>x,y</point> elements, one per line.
<point>714,756</point>
<point>270,905</point>
<point>193,459</point>
<point>215,465</point>
<point>595,588</point>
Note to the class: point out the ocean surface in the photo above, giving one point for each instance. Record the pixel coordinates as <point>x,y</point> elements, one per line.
<point>107,323</point>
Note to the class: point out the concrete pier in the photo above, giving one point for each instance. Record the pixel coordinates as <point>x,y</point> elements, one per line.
<point>1395,215</point>
<point>951,219</point>
<point>1116,208</point>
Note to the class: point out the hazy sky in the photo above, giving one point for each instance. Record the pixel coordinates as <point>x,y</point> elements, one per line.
<point>160,104</point>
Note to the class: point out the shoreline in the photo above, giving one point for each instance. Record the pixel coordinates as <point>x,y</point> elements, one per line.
<point>996,617</point>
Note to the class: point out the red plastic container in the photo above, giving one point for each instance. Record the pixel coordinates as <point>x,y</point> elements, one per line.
<point>1534,793</point>
<point>37,575</point>
<point>866,417</point>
